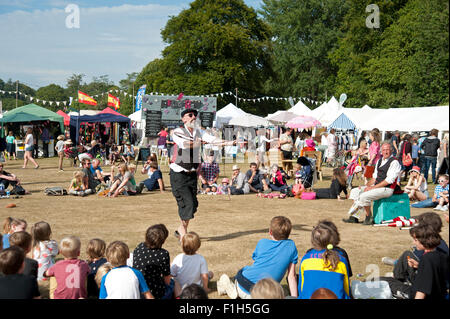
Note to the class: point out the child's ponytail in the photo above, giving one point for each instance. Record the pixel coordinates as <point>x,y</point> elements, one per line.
<point>330,258</point>
<point>321,238</point>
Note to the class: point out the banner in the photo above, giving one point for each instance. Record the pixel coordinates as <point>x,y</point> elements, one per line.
<point>86,99</point>
<point>140,94</point>
<point>113,101</point>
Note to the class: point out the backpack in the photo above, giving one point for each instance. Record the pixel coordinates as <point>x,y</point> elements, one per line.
<point>55,191</point>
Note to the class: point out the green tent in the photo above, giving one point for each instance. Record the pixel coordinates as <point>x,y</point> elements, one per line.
<point>31,113</point>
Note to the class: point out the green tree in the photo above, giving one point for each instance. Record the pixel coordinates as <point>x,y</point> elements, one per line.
<point>304,32</point>
<point>9,99</point>
<point>358,45</point>
<point>52,92</point>
<point>213,46</point>
<point>411,65</point>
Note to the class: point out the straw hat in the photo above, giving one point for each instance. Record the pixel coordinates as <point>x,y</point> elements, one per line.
<point>68,141</point>
<point>235,167</point>
<point>60,137</point>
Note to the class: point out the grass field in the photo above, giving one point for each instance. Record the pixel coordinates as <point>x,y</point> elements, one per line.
<point>229,228</point>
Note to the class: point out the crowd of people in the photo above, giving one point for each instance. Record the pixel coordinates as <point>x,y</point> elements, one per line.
<point>115,271</point>
<point>112,271</point>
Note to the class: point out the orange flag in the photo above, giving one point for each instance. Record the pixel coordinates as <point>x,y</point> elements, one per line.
<point>85,99</point>
<point>113,101</point>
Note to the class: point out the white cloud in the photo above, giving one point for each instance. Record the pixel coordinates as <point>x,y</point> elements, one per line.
<point>110,40</point>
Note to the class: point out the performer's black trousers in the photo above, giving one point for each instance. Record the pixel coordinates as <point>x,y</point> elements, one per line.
<point>184,189</point>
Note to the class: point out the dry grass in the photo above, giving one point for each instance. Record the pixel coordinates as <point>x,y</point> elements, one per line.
<point>229,229</point>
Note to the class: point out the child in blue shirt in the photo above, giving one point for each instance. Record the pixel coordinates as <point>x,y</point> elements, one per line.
<point>441,193</point>
<point>323,267</point>
<point>122,282</point>
<point>272,259</point>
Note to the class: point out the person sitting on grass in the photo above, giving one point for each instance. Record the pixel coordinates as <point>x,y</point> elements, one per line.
<point>122,183</point>
<point>209,173</point>
<point>441,193</point>
<point>8,179</point>
<point>190,267</point>
<point>122,281</point>
<point>23,240</point>
<point>128,153</point>
<point>13,283</point>
<point>432,276</point>
<point>155,181</point>
<point>256,180</point>
<point>98,173</point>
<point>272,258</point>
<point>193,291</point>
<point>323,266</point>
<point>95,251</point>
<point>77,186</point>
<point>417,185</point>
<point>338,185</point>
<point>277,180</point>
<point>10,226</point>
<point>71,273</point>
<point>267,288</point>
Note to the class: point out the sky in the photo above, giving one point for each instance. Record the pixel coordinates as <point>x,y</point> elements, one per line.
<point>42,43</point>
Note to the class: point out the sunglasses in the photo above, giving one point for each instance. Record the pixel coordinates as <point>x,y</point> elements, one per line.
<point>191,114</point>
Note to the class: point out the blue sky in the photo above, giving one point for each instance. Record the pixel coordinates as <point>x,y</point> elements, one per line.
<point>115,37</point>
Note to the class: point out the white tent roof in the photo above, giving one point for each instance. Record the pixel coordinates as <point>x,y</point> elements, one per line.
<point>300,109</point>
<point>281,117</point>
<point>225,114</point>
<point>249,120</point>
<point>136,116</point>
<point>327,112</point>
<point>85,112</point>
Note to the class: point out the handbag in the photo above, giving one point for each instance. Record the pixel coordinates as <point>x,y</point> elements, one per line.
<point>406,159</point>
<point>368,173</point>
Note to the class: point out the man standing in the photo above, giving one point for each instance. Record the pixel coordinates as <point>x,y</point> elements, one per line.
<point>45,136</point>
<point>430,147</point>
<point>184,165</point>
<point>381,185</point>
<point>287,146</point>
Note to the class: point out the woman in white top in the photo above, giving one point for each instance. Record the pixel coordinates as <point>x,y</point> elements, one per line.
<point>417,185</point>
<point>29,144</point>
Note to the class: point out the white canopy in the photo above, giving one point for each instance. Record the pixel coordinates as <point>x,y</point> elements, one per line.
<point>281,117</point>
<point>225,114</point>
<point>327,112</point>
<point>249,120</point>
<point>300,109</point>
<point>85,112</point>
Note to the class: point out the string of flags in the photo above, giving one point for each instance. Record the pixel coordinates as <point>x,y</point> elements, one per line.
<point>126,94</point>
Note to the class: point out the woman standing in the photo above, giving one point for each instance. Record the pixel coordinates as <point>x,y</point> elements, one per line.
<point>405,155</point>
<point>332,146</point>
<point>10,146</point>
<point>374,153</point>
<point>29,144</point>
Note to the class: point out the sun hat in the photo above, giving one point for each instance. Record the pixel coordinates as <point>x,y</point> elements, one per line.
<point>225,180</point>
<point>310,143</point>
<point>415,169</point>
<point>68,141</point>
<point>60,137</point>
<point>235,167</point>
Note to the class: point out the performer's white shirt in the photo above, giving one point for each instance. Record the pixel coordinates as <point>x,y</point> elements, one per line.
<point>393,171</point>
<point>179,137</point>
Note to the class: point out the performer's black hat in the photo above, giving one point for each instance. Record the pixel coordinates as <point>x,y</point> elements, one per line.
<point>189,111</point>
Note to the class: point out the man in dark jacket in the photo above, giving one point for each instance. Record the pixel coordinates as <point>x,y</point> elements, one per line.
<point>430,147</point>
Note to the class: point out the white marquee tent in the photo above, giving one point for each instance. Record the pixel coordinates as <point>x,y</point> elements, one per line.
<point>300,109</point>
<point>225,114</point>
<point>249,120</point>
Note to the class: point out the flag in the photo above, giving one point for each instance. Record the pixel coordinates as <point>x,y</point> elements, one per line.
<point>140,94</point>
<point>113,101</point>
<point>86,99</point>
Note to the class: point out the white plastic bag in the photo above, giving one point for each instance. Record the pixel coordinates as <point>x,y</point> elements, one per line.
<point>371,290</point>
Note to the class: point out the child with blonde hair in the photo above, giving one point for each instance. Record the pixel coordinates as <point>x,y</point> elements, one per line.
<point>122,282</point>
<point>77,187</point>
<point>44,249</point>
<point>95,251</point>
<point>10,226</point>
<point>70,273</point>
<point>267,288</point>
<point>101,271</point>
<point>189,267</point>
<point>323,267</point>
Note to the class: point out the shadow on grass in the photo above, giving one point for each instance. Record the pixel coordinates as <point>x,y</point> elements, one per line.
<point>299,227</point>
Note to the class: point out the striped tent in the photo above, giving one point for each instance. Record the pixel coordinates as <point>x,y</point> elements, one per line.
<point>343,123</point>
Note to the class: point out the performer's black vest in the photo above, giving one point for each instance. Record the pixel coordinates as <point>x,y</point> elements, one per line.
<point>382,173</point>
<point>188,158</point>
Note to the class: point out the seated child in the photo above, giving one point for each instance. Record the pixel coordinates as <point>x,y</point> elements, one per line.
<point>77,187</point>
<point>193,291</point>
<point>101,271</point>
<point>122,282</point>
<point>44,249</point>
<point>154,262</point>
<point>189,267</point>
<point>306,172</point>
<point>272,258</point>
<point>267,288</point>
<point>441,193</point>
<point>323,266</point>
<point>23,240</point>
<point>95,251</point>
<point>13,283</point>
<point>70,273</point>
<point>225,187</point>
<point>432,277</point>
<point>10,226</point>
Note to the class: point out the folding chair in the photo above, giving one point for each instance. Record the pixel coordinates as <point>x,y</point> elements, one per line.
<point>164,157</point>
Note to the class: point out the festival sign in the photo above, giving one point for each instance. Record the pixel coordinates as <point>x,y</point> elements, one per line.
<point>170,108</point>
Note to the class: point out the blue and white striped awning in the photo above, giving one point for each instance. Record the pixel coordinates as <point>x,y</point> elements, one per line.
<point>342,123</point>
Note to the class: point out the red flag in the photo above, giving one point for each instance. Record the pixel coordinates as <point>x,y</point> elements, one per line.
<point>113,101</point>
<point>85,99</point>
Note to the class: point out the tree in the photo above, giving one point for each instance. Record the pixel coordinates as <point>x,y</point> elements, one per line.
<point>52,92</point>
<point>304,32</point>
<point>358,45</point>
<point>127,84</point>
<point>74,83</point>
<point>213,46</point>
<point>411,65</point>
